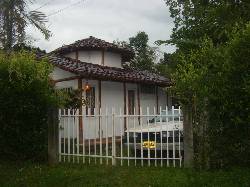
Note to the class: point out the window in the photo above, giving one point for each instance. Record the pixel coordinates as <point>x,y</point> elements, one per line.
<point>90,101</point>
<point>67,90</point>
<point>148,89</point>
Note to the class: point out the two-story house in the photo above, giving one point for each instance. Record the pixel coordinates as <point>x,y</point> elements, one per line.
<point>98,65</point>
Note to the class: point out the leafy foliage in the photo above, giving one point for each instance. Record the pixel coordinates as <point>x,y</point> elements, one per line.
<point>74,99</point>
<point>217,20</point>
<point>14,18</point>
<point>25,98</point>
<point>215,81</point>
<point>211,73</point>
<point>164,66</point>
<point>144,54</point>
<point>24,47</point>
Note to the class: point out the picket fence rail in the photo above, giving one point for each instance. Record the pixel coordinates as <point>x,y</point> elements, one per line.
<point>113,137</point>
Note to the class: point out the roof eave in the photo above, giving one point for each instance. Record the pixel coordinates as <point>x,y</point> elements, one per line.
<point>111,74</point>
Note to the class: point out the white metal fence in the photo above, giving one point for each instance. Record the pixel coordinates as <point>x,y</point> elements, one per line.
<point>112,137</point>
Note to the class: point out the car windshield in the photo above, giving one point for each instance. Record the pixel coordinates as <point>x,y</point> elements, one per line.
<point>167,117</point>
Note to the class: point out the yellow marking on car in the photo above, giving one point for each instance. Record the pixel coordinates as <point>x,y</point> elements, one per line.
<point>148,144</point>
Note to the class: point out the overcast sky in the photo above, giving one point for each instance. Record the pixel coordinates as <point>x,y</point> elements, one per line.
<point>105,19</point>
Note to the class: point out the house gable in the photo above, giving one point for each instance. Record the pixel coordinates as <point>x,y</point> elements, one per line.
<point>59,73</point>
<point>104,58</point>
<point>94,50</point>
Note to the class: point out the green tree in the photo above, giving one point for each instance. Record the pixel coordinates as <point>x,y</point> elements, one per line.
<point>164,66</point>
<point>25,97</point>
<point>195,19</point>
<point>215,82</point>
<point>144,54</point>
<point>14,18</point>
<point>211,76</point>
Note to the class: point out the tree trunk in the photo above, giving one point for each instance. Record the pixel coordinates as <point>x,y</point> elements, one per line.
<point>188,137</point>
<point>9,26</point>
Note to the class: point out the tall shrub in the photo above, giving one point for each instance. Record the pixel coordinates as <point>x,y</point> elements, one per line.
<point>25,97</point>
<point>215,81</point>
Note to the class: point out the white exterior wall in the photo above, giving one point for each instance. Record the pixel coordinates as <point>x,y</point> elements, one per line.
<point>112,97</point>
<point>61,74</point>
<point>90,124</point>
<point>95,57</point>
<point>112,59</point>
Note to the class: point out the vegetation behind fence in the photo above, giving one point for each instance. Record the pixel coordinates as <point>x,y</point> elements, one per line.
<point>25,97</point>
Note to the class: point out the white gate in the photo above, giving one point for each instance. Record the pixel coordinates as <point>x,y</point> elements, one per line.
<point>110,136</point>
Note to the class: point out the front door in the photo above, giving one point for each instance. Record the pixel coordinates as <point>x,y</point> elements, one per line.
<point>131,102</point>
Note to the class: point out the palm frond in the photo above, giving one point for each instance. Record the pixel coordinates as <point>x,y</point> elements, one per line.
<point>38,16</point>
<point>38,19</point>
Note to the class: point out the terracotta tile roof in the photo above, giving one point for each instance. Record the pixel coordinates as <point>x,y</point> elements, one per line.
<point>98,72</point>
<point>96,44</point>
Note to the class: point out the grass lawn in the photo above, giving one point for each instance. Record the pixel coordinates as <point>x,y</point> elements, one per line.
<point>30,174</point>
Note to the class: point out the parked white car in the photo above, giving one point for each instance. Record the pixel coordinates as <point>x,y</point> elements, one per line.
<point>158,133</point>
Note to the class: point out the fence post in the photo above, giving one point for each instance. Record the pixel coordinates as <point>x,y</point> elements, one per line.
<point>113,139</point>
<point>53,134</point>
<point>188,137</point>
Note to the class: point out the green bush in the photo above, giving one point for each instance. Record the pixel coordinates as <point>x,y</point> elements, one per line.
<point>25,98</point>
<point>215,81</point>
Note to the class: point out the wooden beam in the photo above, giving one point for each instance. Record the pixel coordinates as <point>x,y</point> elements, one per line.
<point>77,58</point>
<point>125,103</point>
<point>100,93</point>
<point>139,101</point>
<point>100,105</point>
<point>103,56</point>
<point>66,79</point>
<point>167,97</point>
<point>157,99</point>
<point>77,55</point>
<point>80,112</point>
